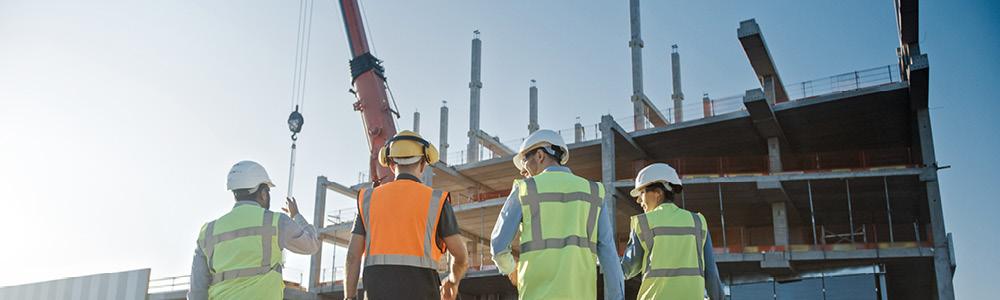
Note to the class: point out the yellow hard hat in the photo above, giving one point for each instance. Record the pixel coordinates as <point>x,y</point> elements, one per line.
<point>407,144</point>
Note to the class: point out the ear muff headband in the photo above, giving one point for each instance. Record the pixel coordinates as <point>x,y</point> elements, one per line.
<point>388,145</point>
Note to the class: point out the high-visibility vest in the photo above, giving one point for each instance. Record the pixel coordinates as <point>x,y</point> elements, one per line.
<point>672,241</point>
<point>243,254</point>
<point>558,236</point>
<point>401,220</point>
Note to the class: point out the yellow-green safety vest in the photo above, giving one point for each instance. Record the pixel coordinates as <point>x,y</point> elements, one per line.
<point>672,240</point>
<point>558,236</point>
<point>243,254</point>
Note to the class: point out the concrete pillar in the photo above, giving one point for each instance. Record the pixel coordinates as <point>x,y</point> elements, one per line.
<point>475,85</point>
<point>416,122</point>
<point>769,92</point>
<point>779,215</point>
<point>706,105</point>
<point>443,140</point>
<point>636,44</point>
<point>532,108</point>
<point>578,132</point>
<point>319,216</point>
<point>942,249</point>
<point>608,164</point>
<point>779,210</point>
<point>678,96</point>
<point>774,155</point>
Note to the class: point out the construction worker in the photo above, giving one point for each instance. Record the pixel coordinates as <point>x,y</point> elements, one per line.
<point>566,225</point>
<point>403,228</point>
<point>669,246</point>
<point>239,255</point>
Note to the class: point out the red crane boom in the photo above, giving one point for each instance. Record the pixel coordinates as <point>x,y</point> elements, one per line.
<point>368,80</point>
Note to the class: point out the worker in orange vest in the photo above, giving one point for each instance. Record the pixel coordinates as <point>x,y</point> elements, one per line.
<point>403,228</point>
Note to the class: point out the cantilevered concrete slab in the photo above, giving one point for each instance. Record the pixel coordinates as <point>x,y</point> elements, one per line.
<point>762,115</point>
<point>761,61</point>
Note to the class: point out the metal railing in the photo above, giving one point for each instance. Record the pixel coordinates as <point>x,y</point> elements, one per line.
<point>169,284</point>
<point>694,109</point>
<point>843,82</point>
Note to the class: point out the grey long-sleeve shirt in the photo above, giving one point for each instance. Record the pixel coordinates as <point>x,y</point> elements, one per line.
<point>294,234</point>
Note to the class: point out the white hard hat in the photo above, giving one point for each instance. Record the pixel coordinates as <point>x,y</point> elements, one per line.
<point>247,175</point>
<point>541,138</point>
<point>658,172</point>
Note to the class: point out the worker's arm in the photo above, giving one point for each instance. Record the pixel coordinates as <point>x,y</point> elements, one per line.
<point>353,265</point>
<point>503,233</point>
<point>295,233</point>
<point>632,261</point>
<point>459,264</point>
<point>712,282</point>
<point>607,254</point>
<point>200,278</point>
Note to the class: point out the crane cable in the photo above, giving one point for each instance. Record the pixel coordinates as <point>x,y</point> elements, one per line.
<point>295,120</point>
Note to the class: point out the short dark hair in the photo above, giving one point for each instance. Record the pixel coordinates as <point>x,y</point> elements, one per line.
<point>557,157</point>
<point>245,194</point>
<point>668,195</point>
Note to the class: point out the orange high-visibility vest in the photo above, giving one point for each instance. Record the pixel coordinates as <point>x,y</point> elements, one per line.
<point>401,220</point>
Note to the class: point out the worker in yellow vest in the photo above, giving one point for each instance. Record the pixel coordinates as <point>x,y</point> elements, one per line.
<point>238,255</point>
<point>669,246</point>
<point>566,228</point>
<point>403,228</point>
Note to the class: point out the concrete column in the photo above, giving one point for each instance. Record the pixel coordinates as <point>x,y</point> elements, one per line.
<point>416,122</point>
<point>779,215</point>
<point>769,92</point>
<point>636,44</point>
<point>779,210</point>
<point>942,249</point>
<point>578,132</point>
<point>475,85</point>
<point>319,216</point>
<point>678,96</point>
<point>443,140</point>
<point>608,164</point>
<point>706,105</point>
<point>774,155</point>
<point>532,108</point>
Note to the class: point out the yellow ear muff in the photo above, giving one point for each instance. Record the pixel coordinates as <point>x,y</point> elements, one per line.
<point>383,157</point>
<point>431,154</point>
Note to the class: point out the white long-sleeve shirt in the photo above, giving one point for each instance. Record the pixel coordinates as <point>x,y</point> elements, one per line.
<point>294,234</point>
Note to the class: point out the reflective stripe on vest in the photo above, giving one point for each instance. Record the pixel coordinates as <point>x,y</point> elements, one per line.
<point>425,261</point>
<point>534,199</point>
<point>266,231</point>
<point>648,236</point>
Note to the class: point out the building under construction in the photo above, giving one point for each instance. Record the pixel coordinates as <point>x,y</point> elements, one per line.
<point>822,189</point>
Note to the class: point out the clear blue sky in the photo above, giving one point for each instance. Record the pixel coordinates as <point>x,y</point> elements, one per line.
<point>120,118</point>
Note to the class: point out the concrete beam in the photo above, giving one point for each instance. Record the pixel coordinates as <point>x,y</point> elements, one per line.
<point>918,73</point>
<point>479,204</point>
<point>652,113</point>
<point>470,183</point>
<point>628,183</point>
<point>493,144</point>
<point>760,59</point>
<point>350,192</point>
<point>762,115</point>
<point>619,131</point>
<point>907,20</point>
<point>864,254</point>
